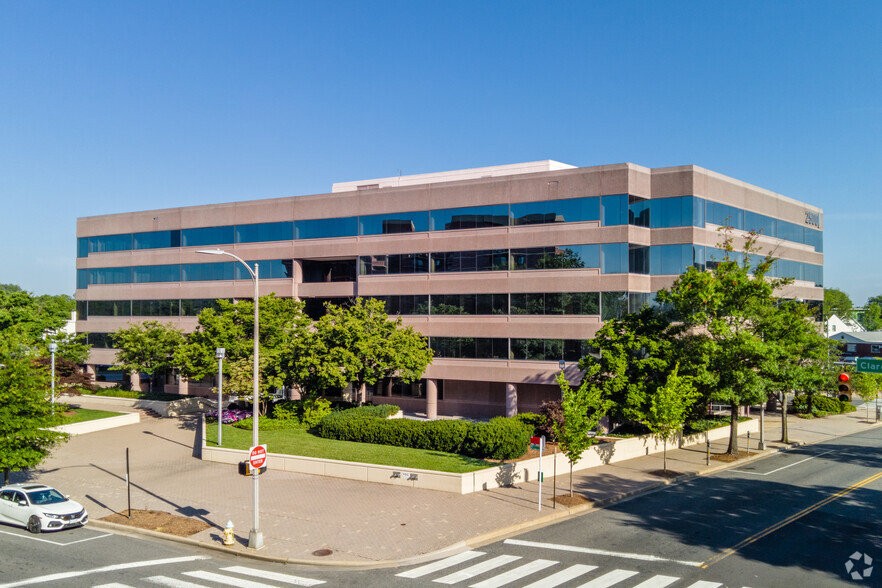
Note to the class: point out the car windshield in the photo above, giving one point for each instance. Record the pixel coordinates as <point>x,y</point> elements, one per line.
<point>48,496</point>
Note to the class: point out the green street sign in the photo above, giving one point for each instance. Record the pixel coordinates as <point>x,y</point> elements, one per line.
<point>869,365</point>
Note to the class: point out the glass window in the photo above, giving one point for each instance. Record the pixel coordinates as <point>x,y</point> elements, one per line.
<point>110,275</point>
<point>203,272</point>
<point>815,239</point>
<point>638,259</point>
<point>472,217</point>
<point>157,239</point>
<point>157,273</point>
<point>396,222</point>
<point>83,247</point>
<point>207,236</point>
<point>762,224</point>
<point>156,307</point>
<point>637,300</point>
<point>323,228</point>
<point>670,259</point>
<point>638,212</point>
<point>275,268</point>
<point>613,305</point>
<point>82,310</point>
<point>105,243</point>
<point>614,210</point>
<point>671,212</point>
<point>614,258</point>
<point>82,279</point>
<point>518,303</point>
<point>194,306</point>
<point>102,341</point>
<point>372,265</point>
<point>110,307</point>
<point>260,232</point>
<point>725,215</point>
<point>488,260</point>
<point>491,348</point>
<point>528,349</point>
<point>556,211</point>
<point>699,206</point>
<point>791,232</point>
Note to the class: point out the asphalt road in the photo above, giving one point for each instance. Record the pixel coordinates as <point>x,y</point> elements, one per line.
<point>808,518</point>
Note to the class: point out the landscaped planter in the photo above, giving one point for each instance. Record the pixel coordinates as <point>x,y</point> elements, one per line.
<point>84,427</point>
<point>504,474</point>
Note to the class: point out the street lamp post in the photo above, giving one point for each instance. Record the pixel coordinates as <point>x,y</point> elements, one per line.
<point>255,536</point>
<point>219,354</point>
<point>53,347</point>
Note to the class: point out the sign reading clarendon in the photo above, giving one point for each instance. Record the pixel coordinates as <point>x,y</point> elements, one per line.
<point>869,365</point>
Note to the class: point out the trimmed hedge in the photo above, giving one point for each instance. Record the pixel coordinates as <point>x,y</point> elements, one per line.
<point>820,404</point>
<point>501,438</point>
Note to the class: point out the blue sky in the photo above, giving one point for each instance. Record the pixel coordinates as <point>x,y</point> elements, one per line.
<point>114,106</point>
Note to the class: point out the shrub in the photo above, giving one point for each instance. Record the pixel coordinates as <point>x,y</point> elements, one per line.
<point>532,420</point>
<point>821,405</point>
<point>847,406</point>
<point>501,438</point>
<point>307,412</point>
<point>551,413</point>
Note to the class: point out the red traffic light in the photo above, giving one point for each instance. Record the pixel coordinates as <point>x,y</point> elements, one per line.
<point>843,377</point>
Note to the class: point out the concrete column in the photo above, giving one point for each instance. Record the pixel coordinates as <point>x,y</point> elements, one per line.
<point>511,400</point>
<point>135,379</point>
<point>183,386</point>
<point>362,394</point>
<point>432,398</point>
<point>387,389</point>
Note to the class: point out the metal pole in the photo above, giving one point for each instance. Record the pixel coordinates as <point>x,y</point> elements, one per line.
<point>255,537</point>
<point>128,483</point>
<point>220,394</point>
<point>52,348</point>
<point>762,439</point>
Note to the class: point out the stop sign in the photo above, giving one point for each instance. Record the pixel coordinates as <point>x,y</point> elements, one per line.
<point>257,456</point>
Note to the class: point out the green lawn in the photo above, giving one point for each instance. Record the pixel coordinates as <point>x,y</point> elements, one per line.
<point>87,414</point>
<point>302,443</point>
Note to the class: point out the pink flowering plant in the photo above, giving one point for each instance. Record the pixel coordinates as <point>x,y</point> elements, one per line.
<point>228,416</point>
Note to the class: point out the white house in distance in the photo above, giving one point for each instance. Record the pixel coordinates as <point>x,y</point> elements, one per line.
<point>836,325</point>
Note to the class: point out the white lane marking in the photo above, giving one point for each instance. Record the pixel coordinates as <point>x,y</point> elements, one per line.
<point>113,585</point>
<point>657,582</point>
<point>284,578</point>
<point>703,584</point>
<point>578,549</point>
<point>440,564</point>
<point>43,540</point>
<point>610,579</point>
<point>172,582</point>
<point>221,579</point>
<point>515,574</point>
<point>562,576</point>
<point>471,572</point>
<point>784,467</point>
<point>113,568</point>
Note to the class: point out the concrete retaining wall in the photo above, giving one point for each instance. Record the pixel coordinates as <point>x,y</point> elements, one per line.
<point>187,405</point>
<point>84,427</point>
<point>503,475</point>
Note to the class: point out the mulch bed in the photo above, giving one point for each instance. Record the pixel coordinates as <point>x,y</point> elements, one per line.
<point>666,473</point>
<point>727,458</point>
<point>155,520</point>
<point>574,500</point>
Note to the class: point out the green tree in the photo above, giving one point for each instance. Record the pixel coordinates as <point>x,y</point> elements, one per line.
<point>560,259</point>
<point>668,408</point>
<point>867,387</point>
<point>717,310</point>
<point>837,302</point>
<point>361,345</point>
<point>147,348</point>
<point>25,411</point>
<point>871,318</point>
<point>798,359</point>
<point>634,360</point>
<point>582,409</point>
<point>283,327</point>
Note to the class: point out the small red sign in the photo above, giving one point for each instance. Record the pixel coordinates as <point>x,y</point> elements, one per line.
<point>257,456</point>
<point>534,440</point>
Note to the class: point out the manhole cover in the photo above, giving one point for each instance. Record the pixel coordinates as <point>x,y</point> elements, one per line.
<point>322,552</point>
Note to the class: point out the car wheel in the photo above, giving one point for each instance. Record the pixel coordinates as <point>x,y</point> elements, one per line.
<point>34,524</point>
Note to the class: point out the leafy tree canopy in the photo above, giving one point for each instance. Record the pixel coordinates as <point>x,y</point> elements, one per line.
<point>871,318</point>
<point>147,347</point>
<point>837,302</point>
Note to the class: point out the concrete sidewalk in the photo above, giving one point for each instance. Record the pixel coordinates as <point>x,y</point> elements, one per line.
<point>360,523</point>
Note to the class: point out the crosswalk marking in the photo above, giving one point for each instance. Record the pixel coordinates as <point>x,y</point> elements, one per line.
<point>703,584</point>
<point>657,582</point>
<point>171,582</point>
<point>558,578</point>
<point>441,564</point>
<point>515,574</point>
<point>275,576</point>
<point>228,581</point>
<point>471,572</point>
<point>609,579</point>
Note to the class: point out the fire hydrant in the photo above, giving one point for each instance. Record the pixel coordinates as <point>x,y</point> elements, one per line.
<point>229,537</point>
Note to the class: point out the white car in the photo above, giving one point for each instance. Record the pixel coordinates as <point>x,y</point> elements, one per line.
<point>40,508</point>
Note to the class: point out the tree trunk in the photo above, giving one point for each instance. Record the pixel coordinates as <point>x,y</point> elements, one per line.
<point>571,479</point>
<point>5,476</point>
<point>784,438</point>
<point>665,456</point>
<point>733,431</point>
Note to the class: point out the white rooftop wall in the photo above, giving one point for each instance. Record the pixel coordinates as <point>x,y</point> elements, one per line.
<point>453,176</point>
